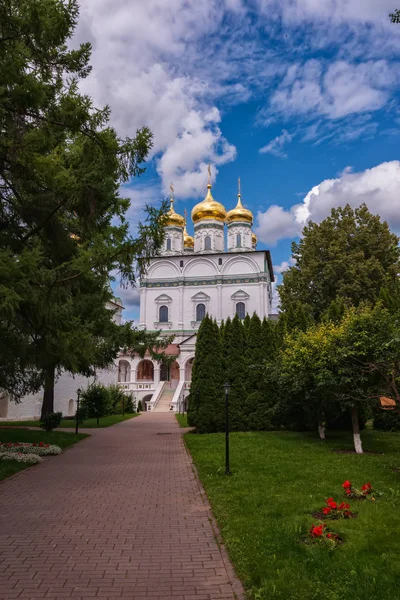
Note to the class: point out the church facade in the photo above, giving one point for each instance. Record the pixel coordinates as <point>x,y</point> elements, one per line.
<point>219,271</point>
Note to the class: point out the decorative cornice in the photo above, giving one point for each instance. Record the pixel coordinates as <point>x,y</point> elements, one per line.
<point>214,225</point>
<point>239,224</point>
<point>174,228</point>
<point>221,280</point>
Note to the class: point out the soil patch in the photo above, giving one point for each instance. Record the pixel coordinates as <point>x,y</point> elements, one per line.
<point>320,515</point>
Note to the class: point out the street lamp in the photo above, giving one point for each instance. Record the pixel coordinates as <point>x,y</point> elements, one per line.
<point>78,391</point>
<point>227,389</point>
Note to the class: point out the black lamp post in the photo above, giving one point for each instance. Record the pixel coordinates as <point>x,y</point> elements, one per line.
<point>227,389</point>
<point>78,391</point>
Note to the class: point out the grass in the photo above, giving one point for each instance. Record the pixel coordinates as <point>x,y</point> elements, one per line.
<point>60,438</point>
<point>263,510</point>
<point>70,423</point>
<point>182,420</point>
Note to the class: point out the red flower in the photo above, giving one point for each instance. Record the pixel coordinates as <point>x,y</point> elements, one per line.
<point>367,487</point>
<point>346,485</point>
<point>332,504</point>
<point>326,510</point>
<point>347,513</point>
<point>329,535</point>
<point>343,505</point>
<point>317,531</point>
<point>348,492</point>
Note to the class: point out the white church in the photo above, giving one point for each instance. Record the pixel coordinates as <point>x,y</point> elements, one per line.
<point>219,271</point>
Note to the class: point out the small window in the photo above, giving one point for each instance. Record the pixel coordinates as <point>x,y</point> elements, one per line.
<point>169,244</point>
<point>207,243</point>
<point>181,264</point>
<point>200,312</point>
<point>220,261</point>
<point>163,314</point>
<point>241,310</point>
<point>239,240</point>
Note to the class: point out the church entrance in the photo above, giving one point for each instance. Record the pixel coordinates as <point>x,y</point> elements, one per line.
<point>169,372</point>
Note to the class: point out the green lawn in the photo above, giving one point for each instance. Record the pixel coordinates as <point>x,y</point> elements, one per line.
<point>182,420</point>
<point>60,438</point>
<point>278,479</point>
<point>70,423</point>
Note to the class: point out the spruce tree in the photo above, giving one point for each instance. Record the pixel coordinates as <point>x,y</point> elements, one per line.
<point>254,354</point>
<point>206,407</point>
<point>236,373</point>
<point>270,340</point>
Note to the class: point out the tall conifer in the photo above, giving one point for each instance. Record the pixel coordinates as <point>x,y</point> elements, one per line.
<point>235,372</point>
<point>206,390</point>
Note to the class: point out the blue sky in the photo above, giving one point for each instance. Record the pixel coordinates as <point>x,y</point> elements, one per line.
<point>297,97</point>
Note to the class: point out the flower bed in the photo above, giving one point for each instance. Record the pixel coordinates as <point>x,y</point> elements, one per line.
<point>334,511</point>
<point>367,491</point>
<point>32,459</point>
<point>322,535</point>
<point>40,449</point>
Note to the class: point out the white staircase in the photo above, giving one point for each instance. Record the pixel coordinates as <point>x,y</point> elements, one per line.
<point>164,400</point>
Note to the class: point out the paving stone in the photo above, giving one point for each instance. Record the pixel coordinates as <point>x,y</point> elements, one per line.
<point>119,515</point>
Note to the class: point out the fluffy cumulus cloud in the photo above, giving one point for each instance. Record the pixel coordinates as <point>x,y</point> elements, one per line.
<point>177,65</point>
<point>378,188</point>
<point>276,147</point>
<point>144,66</point>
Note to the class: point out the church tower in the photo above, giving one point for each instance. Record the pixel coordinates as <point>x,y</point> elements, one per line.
<point>174,230</point>
<point>208,217</point>
<point>239,221</point>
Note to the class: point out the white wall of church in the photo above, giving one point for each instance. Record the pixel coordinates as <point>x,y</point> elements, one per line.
<point>217,281</point>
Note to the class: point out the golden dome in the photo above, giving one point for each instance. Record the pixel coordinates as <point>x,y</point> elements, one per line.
<point>173,219</point>
<point>239,213</point>
<point>253,239</point>
<point>208,209</point>
<point>188,241</point>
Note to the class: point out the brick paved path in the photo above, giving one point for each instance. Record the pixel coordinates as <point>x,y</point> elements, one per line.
<point>119,515</point>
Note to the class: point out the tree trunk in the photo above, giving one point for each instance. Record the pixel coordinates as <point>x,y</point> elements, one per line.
<point>48,394</point>
<point>321,429</point>
<point>356,430</point>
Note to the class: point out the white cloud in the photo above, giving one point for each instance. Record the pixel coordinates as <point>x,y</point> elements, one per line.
<point>378,188</point>
<point>276,224</point>
<point>333,91</point>
<point>276,147</point>
<point>144,56</point>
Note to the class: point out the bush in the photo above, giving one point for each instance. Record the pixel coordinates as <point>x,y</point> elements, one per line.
<point>120,400</point>
<point>140,407</point>
<point>95,402</point>
<point>51,421</point>
<point>387,421</point>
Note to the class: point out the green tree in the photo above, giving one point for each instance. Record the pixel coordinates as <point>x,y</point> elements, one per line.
<point>350,255</point>
<point>236,373</point>
<point>395,17</point>
<point>206,408</point>
<point>254,354</point>
<point>62,222</point>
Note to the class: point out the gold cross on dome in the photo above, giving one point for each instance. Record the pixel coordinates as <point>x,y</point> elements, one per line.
<point>239,186</point>
<point>209,174</point>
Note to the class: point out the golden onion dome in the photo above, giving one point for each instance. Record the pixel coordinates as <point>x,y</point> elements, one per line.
<point>208,209</point>
<point>239,213</point>
<point>253,239</point>
<point>188,241</point>
<point>173,219</point>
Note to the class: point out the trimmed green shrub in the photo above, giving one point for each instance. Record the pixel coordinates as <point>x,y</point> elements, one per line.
<point>205,410</point>
<point>387,420</point>
<point>51,421</point>
<point>96,401</point>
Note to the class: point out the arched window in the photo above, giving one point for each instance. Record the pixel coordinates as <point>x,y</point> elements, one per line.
<point>163,314</point>
<point>181,264</point>
<point>207,243</point>
<point>239,239</point>
<point>200,312</point>
<point>220,261</point>
<point>241,310</point>
<point>124,371</point>
<point>145,371</point>
<point>169,244</point>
